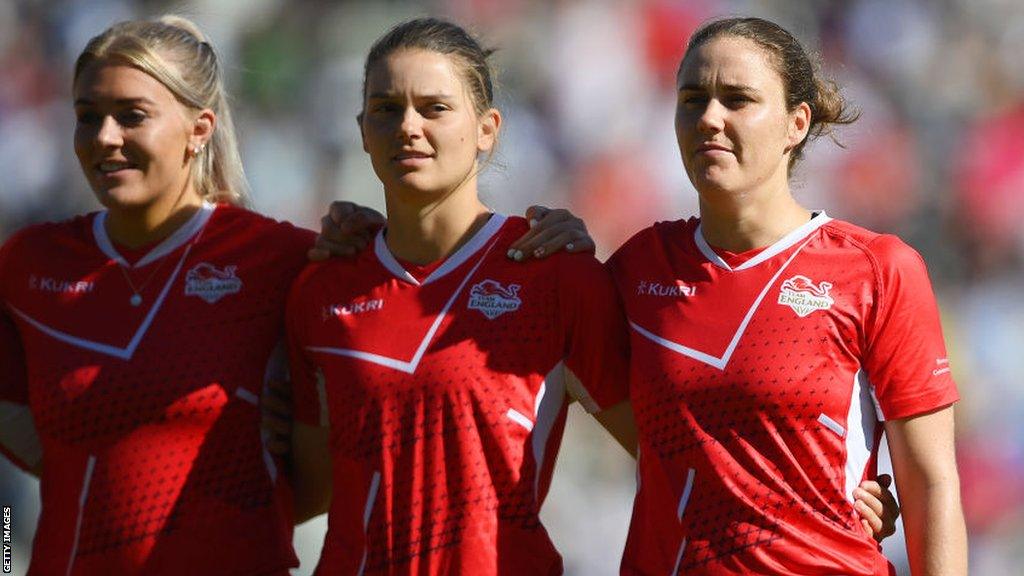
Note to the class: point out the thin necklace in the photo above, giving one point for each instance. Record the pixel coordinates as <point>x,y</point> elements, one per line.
<point>136,299</point>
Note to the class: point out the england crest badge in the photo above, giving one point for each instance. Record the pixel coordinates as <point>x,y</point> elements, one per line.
<point>492,299</point>
<point>211,284</point>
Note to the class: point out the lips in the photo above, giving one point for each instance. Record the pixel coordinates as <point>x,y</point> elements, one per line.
<point>712,147</point>
<point>411,155</point>
<point>113,166</point>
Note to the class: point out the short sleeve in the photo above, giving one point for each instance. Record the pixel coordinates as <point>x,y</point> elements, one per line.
<point>905,353</point>
<point>307,385</point>
<point>597,344</point>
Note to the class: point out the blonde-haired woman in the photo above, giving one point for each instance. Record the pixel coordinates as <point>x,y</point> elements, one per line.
<point>148,329</point>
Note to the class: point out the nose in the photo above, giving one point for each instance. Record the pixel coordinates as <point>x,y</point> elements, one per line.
<point>109,133</point>
<point>711,120</point>
<point>411,127</point>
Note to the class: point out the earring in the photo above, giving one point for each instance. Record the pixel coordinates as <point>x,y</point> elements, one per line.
<point>198,149</point>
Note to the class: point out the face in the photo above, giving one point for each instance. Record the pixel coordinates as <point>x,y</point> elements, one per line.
<point>133,138</point>
<point>419,125</point>
<point>733,129</point>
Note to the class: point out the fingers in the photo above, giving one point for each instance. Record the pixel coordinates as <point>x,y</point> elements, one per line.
<point>551,231</point>
<point>345,231</point>
<point>870,517</point>
<point>877,507</point>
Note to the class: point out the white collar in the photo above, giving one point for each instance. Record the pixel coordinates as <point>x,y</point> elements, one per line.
<point>387,259</point>
<point>170,244</point>
<point>819,219</point>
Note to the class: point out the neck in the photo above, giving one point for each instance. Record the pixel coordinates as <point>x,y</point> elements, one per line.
<point>421,233</point>
<point>741,222</point>
<point>138,226</point>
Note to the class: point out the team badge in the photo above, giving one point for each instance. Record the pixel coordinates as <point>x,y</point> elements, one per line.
<point>492,299</point>
<point>800,294</point>
<point>211,284</point>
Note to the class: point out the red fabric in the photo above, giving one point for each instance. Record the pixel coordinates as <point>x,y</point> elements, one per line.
<point>148,416</point>
<point>752,388</point>
<point>443,443</point>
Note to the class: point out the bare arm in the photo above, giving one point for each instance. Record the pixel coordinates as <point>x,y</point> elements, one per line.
<point>929,488</point>
<point>311,471</point>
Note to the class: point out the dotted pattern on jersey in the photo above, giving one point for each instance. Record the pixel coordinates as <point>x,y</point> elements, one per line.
<point>456,459</point>
<point>735,418</point>
<point>176,446</point>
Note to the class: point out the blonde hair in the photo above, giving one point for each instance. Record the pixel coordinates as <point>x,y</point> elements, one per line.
<point>173,51</point>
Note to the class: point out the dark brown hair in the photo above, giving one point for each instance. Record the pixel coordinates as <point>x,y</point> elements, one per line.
<point>445,38</point>
<point>802,78</point>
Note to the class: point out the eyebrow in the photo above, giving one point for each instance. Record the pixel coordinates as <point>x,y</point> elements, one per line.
<point>119,101</point>
<point>726,87</point>
<point>388,95</point>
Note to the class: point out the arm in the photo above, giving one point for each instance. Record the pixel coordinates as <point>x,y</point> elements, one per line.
<point>311,471</point>
<point>925,466</point>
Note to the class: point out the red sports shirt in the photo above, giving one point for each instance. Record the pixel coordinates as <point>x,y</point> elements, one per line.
<point>759,388</point>
<point>148,415</point>
<point>446,399</point>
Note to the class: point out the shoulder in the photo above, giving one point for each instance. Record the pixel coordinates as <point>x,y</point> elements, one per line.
<point>653,239</point>
<point>886,252</point>
<point>47,236</point>
<point>257,226</point>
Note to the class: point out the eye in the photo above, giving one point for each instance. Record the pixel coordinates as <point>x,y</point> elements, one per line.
<point>434,109</point>
<point>737,100</point>
<point>693,100</point>
<point>132,117</point>
<point>384,108</point>
<point>87,117</point>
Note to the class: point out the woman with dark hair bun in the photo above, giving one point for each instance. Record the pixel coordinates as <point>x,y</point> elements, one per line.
<point>759,333</point>
<point>772,344</point>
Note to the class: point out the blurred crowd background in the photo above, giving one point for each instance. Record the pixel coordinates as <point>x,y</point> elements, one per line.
<point>586,87</point>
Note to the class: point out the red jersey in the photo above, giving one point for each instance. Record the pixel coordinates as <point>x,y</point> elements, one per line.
<point>147,412</point>
<point>446,398</point>
<point>759,387</point>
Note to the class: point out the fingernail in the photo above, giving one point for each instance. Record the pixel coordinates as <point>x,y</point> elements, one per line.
<point>518,256</point>
<point>569,246</point>
<point>532,222</point>
<point>511,253</point>
<point>538,252</point>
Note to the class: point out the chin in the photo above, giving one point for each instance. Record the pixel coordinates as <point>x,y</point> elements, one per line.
<point>121,198</point>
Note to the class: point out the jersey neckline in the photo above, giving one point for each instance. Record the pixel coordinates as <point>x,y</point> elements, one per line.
<point>478,241</point>
<point>780,245</point>
<point>169,244</point>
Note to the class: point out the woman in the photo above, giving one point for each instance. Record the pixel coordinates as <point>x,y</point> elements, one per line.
<point>148,328</point>
<point>443,370</point>
<point>814,335</point>
<point>426,425</point>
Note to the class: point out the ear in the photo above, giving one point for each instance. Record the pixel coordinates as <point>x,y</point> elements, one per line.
<point>799,125</point>
<point>488,126</point>
<point>362,133</point>
<point>202,128</point>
